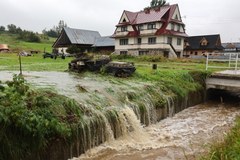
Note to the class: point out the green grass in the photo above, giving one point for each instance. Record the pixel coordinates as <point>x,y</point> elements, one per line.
<point>229,149</point>
<point>16,45</point>
<point>36,62</point>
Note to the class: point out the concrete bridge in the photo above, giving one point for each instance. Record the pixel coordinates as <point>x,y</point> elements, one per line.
<point>228,79</point>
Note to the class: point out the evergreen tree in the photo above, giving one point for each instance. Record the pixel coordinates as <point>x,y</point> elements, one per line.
<point>157,3</point>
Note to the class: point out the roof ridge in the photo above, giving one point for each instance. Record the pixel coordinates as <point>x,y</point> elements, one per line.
<point>80,29</point>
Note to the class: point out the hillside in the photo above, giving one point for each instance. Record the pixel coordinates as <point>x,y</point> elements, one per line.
<point>17,45</point>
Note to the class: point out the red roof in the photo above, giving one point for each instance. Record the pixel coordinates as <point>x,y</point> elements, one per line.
<point>152,15</point>
<point>163,14</point>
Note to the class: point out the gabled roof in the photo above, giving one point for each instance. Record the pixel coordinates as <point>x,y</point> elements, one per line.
<point>162,14</point>
<point>150,15</point>
<point>80,36</point>
<point>231,45</point>
<point>76,36</point>
<point>104,42</point>
<point>214,42</point>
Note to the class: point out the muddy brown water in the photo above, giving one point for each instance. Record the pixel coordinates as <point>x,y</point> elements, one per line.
<point>186,135</point>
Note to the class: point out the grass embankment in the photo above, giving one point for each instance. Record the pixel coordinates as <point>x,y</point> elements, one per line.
<point>31,119</point>
<point>15,45</point>
<point>229,149</point>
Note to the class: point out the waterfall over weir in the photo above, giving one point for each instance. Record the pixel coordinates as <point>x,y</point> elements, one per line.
<point>112,109</point>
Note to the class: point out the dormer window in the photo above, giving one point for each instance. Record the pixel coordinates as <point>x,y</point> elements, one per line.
<point>140,27</point>
<point>172,26</point>
<point>152,26</point>
<point>176,17</point>
<point>124,29</point>
<point>178,27</point>
<point>203,42</point>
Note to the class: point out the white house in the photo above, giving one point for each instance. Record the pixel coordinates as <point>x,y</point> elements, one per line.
<point>152,31</point>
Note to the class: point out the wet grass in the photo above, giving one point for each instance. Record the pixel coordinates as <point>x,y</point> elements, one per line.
<point>229,149</point>
<point>16,45</point>
<point>36,62</point>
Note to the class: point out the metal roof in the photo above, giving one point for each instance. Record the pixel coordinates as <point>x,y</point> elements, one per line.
<point>231,45</point>
<point>104,42</point>
<point>80,36</point>
<point>194,42</point>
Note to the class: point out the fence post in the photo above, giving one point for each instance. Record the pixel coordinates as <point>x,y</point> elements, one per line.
<point>207,62</point>
<point>236,62</point>
<point>230,57</point>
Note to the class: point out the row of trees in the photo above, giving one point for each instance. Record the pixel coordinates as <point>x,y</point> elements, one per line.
<point>56,30</point>
<point>30,36</point>
<point>24,35</point>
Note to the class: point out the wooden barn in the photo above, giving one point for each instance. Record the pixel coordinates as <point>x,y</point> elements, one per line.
<point>83,39</point>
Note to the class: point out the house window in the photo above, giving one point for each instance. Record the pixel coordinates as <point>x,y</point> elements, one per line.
<point>123,28</point>
<point>151,25</point>
<point>123,52</point>
<point>178,27</point>
<point>140,27</point>
<point>169,40</point>
<point>140,53</point>
<point>124,20</point>
<point>139,40</point>
<point>176,17</point>
<point>179,41</point>
<point>204,42</point>
<point>152,40</point>
<point>172,26</point>
<point>196,53</point>
<point>123,41</point>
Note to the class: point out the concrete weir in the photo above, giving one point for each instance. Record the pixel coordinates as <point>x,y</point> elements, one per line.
<point>228,80</point>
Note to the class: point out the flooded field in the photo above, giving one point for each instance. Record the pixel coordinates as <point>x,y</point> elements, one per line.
<point>186,135</point>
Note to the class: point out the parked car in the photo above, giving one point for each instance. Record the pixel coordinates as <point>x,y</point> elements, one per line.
<point>48,55</point>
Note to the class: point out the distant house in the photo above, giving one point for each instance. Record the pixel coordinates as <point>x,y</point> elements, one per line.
<point>201,45</point>
<point>231,47</point>
<point>84,39</point>
<point>152,31</point>
<point>4,48</point>
<point>104,44</point>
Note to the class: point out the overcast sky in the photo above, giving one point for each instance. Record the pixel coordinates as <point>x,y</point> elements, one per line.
<point>200,17</point>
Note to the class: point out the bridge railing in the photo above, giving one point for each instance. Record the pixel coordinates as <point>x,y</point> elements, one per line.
<point>231,60</point>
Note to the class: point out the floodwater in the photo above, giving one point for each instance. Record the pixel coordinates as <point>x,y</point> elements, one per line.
<point>186,135</point>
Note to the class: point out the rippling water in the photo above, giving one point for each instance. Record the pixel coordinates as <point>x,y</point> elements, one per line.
<point>187,135</point>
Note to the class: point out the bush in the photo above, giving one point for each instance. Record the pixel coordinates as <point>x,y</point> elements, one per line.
<point>31,119</point>
<point>28,36</point>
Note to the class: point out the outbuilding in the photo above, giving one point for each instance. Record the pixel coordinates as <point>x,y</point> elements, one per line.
<point>4,48</point>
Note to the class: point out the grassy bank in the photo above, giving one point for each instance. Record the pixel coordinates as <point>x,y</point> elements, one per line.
<point>16,45</point>
<point>229,149</point>
<point>36,62</point>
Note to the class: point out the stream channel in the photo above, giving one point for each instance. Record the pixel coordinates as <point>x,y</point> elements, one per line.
<point>184,135</point>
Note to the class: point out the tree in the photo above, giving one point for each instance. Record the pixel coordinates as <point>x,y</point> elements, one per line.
<point>157,3</point>
<point>2,28</point>
<point>60,26</point>
<point>56,30</point>
<point>12,28</point>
